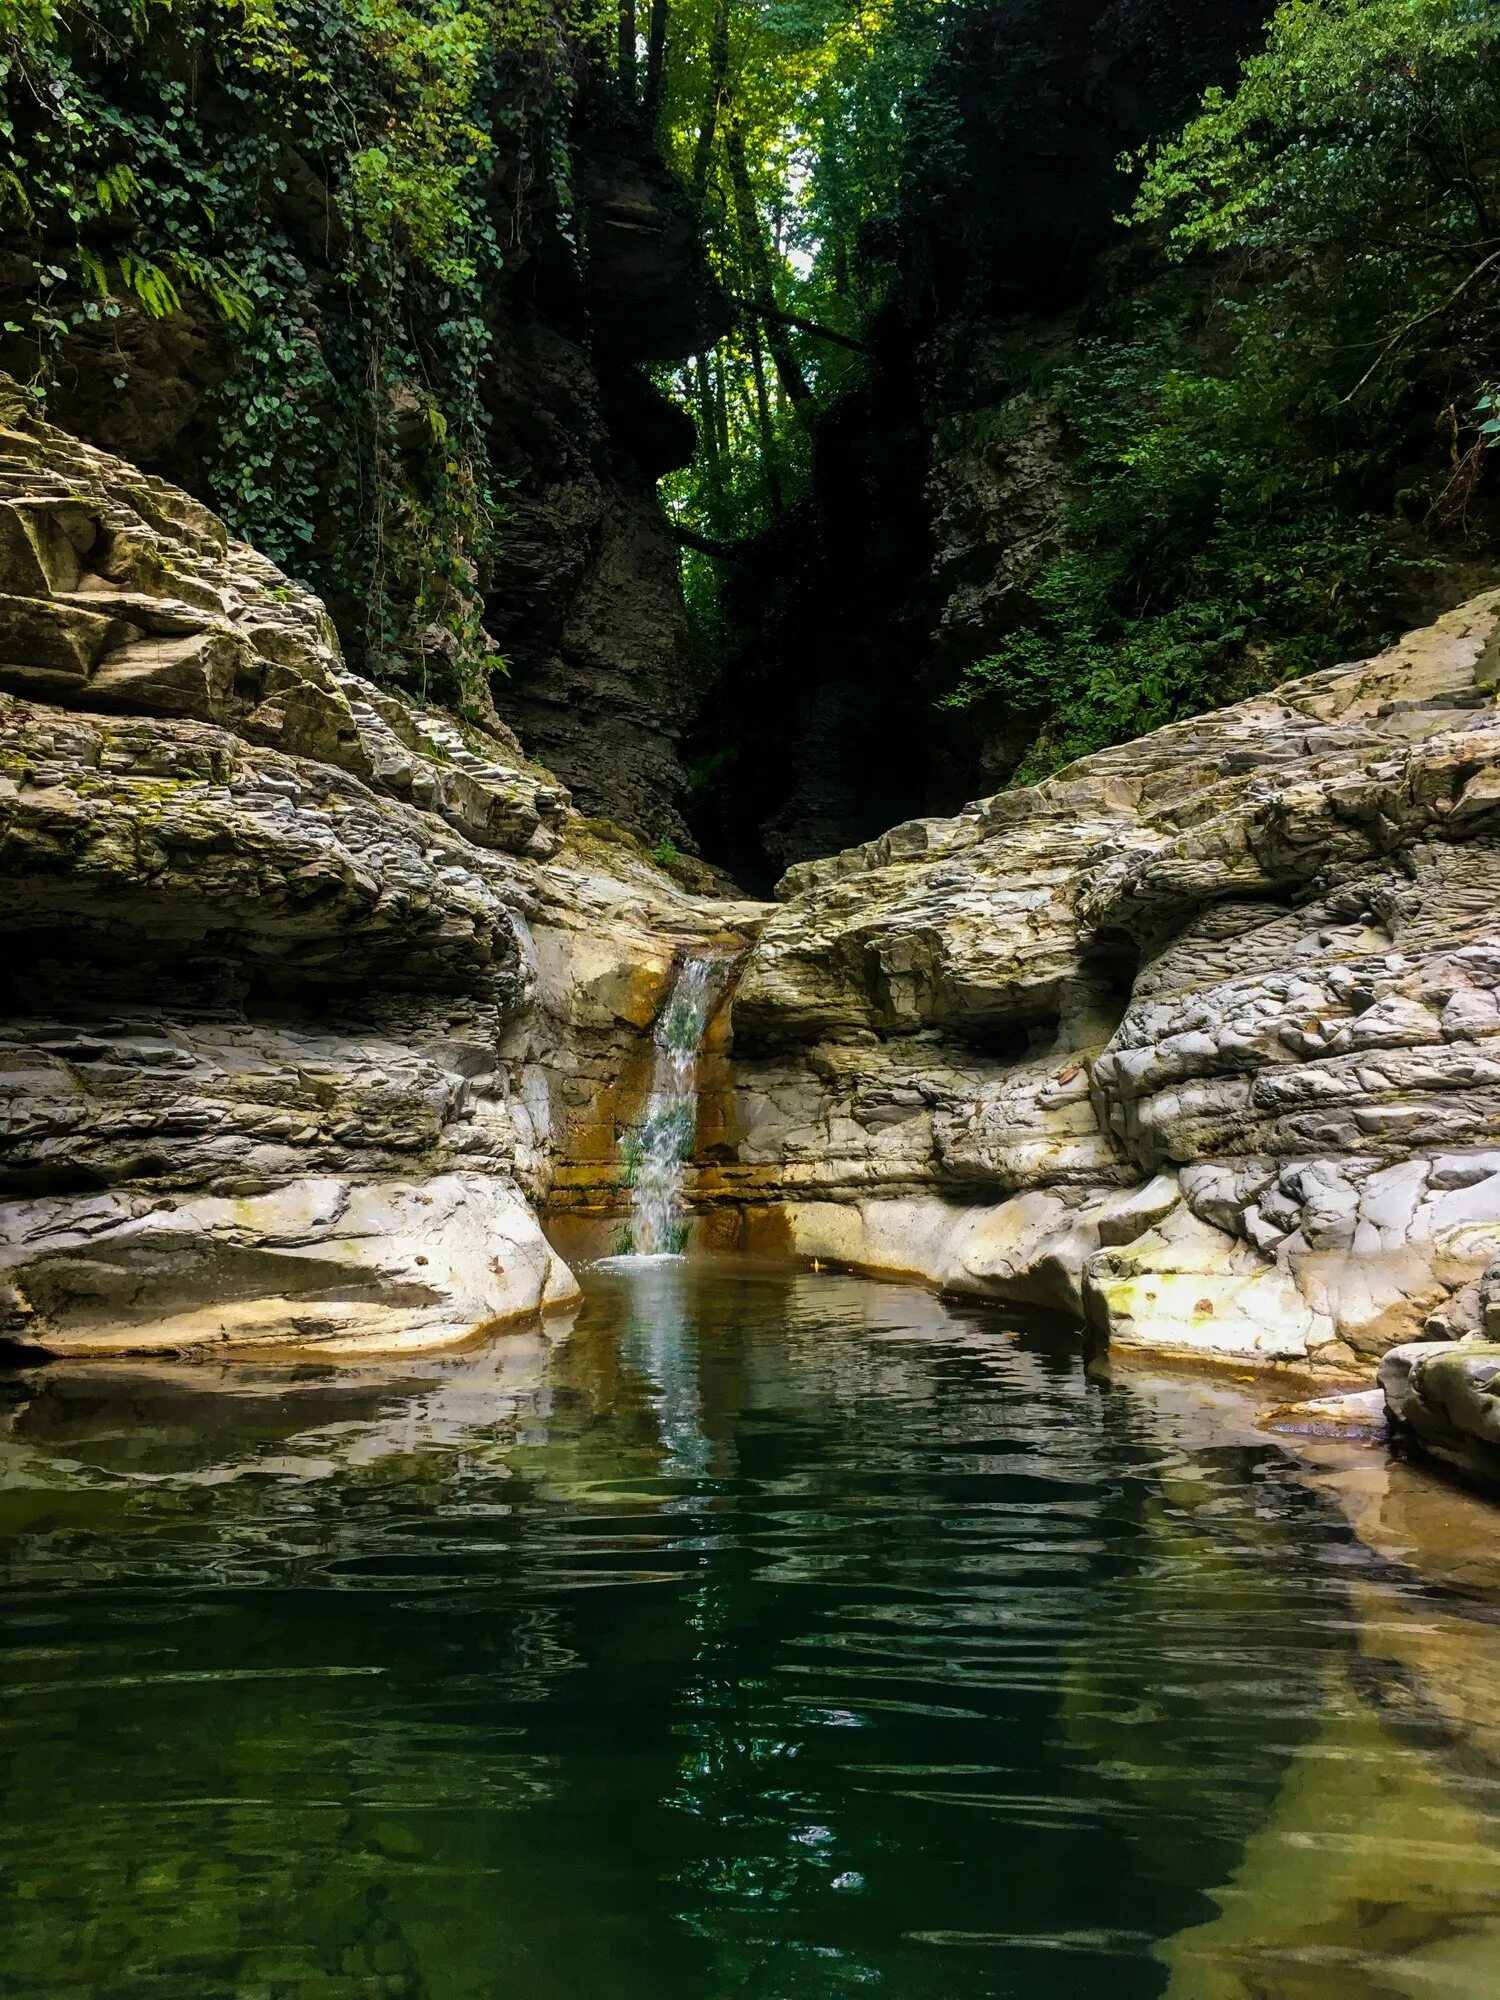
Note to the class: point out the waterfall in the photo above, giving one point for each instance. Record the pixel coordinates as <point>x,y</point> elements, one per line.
<point>656,1148</point>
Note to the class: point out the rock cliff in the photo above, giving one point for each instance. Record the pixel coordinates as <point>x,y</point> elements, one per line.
<point>587,595</point>
<point>314,999</point>
<point>309,994</point>
<point>1199,1040</point>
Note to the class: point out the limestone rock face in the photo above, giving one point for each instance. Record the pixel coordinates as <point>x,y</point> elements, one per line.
<point>1251,961</point>
<point>123,597</point>
<point>353,1267</point>
<point>308,994</point>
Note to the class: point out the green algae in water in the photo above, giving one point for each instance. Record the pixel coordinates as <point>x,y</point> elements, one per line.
<point>765,1634</point>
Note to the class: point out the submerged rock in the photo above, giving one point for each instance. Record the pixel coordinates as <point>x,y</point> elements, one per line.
<point>1356,1416</point>
<point>1446,1397</point>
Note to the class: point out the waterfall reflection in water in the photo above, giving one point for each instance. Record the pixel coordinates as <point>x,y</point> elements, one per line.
<point>764,1635</point>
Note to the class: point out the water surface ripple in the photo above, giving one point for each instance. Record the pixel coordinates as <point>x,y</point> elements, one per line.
<point>762,1634</point>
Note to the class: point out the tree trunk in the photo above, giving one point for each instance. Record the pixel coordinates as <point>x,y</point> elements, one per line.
<point>721,403</point>
<point>718,77</point>
<point>768,454</point>
<point>758,264</point>
<point>840,265</point>
<point>627,52</point>
<point>743,300</point>
<point>708,440</point>
<point>656,56</point>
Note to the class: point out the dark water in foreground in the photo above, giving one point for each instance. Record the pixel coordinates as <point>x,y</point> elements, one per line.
<point>766,1634</point>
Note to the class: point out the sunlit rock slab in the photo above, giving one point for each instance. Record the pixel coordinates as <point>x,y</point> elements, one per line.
<point>348,1268</point>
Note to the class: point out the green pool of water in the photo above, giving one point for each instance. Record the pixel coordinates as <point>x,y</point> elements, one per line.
<point>762,1633</point>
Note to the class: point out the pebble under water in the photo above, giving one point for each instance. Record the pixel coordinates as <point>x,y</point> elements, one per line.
<point>763,1633</point>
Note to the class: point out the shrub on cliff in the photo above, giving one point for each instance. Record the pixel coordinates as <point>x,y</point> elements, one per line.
<point>1251,454</point>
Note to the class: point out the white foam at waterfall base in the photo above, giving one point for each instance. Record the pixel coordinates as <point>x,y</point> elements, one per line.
<point>656,1148</point>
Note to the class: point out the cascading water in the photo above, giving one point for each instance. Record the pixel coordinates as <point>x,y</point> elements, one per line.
<point>657,1146</point>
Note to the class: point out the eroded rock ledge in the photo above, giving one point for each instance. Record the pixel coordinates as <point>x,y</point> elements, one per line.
<point>1199,1040</point>
<point>312,998</point>
<point>309,995</point>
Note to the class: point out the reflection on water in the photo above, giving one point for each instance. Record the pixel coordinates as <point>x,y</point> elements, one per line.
<point>765,1634</point>
<point>658,1344</point>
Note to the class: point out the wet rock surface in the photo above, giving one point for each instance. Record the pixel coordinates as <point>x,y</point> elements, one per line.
<point>1198,1038</point>
<point>1445,1397</point>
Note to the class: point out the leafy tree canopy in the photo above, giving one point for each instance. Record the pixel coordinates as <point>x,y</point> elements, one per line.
<point>1270,448</point>
<point>789,122</point>
<point>1278,416</point>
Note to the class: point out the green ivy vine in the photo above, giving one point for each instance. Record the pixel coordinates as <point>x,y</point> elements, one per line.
<point>327,191</point>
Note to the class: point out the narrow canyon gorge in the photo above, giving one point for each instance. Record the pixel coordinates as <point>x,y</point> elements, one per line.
<point>319,1003</point>
<point>750,1011</point>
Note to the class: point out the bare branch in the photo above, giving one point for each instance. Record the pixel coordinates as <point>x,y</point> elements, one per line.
<point>1402,333</point>
<point>760,310</point>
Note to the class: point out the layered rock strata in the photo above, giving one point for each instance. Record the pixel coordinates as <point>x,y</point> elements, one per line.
<point>308,993</point>
<point>1199,1040</point>
<point>312,998</point>
<point>582,590</point>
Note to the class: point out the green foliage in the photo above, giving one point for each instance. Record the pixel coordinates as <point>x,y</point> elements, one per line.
<point>1363,123</point>
<point>1260,447</point>
<point>1205,556</point>
<point>311,182</point>
<point>1250,456</point>
<point>1355,171</point>
<point>820,96</point>
<point>314,185</point>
